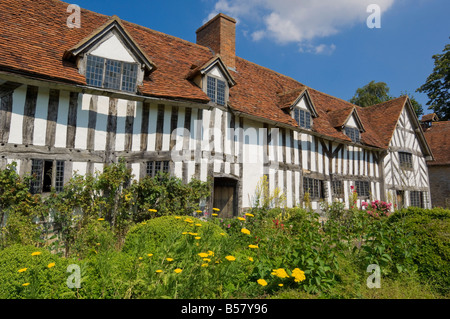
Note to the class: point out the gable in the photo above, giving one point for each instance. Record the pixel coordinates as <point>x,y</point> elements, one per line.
<point>408,134</point>
<point>114,49</point>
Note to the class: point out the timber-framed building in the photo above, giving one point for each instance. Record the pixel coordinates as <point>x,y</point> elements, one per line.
<point>76,99</point>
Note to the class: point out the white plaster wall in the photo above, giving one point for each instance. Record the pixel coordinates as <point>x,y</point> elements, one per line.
<point>40,121</point>
<point>114,50</point>
<point>15,134</point>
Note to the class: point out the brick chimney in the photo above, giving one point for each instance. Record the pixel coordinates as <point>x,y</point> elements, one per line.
<point>219,34</point>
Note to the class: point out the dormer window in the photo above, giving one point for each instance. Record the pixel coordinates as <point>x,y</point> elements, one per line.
<point>216,90</point>
<point>111,74</point>
<point>303,118</point>
<point>353,133</point>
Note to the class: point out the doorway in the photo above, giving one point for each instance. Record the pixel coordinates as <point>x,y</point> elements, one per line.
<point>225,196</point>
<point>400,199</point>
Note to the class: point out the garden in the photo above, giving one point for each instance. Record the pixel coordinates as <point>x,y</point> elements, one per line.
<point>108,236</point>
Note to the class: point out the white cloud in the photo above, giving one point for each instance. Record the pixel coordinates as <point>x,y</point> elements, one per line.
<point>301,21</point>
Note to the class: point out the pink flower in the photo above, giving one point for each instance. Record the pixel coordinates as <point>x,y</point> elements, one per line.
<point>352,187</point>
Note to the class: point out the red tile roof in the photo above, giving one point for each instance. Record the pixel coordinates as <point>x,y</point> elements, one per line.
<point>34,37</point>
<point>438,137</point>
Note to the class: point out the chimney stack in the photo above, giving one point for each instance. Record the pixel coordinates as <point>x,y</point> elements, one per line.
<point>219,34</point>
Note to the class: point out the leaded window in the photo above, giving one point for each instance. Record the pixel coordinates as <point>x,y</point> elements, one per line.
<point>405,160</point>
<point>313,186</point>
<point>215,89</point>
<point>362,188</point>
<point>303,118</point>
<point>338,189</point>
<point>416,199</point>
<point>111,74</point>
<point>44,173</point>
<point>353,133</point>
<point>154,167</point>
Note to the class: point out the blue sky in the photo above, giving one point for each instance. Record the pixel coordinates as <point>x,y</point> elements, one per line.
<point>324,44</point>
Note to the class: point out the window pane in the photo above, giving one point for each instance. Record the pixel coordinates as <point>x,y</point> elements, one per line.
<point>211,89</point>
<point>220,92</point>
<point>166,167</point>
<point>297,115</point>
<point>302,118</point>
<point>59,178</point>
<point>36,172</point>
<point>112,74</point>
<point>150,168</point>
<point>308,120</point>
<point>129,77</point>
<point>94,70</point>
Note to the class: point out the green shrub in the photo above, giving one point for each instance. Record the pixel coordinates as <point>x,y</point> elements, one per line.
<point>430,230</point>
<point>44,282</point>
<point>148,236</point>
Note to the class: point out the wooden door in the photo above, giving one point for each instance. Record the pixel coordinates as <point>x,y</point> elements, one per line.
<point>225,197</point>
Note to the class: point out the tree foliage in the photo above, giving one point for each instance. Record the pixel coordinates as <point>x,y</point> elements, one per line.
<point>371,94</point>
<point>437,85</point>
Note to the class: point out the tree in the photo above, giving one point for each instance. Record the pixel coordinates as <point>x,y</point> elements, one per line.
<point>371,94</point>
<point>378,92</point>
<point>437,86</point>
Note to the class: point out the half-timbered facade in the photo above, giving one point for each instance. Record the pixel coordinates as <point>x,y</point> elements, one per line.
<point>76,99</point>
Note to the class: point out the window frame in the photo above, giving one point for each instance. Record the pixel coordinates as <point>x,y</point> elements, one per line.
<point>353,133</point>
<point>155,167</point>
<point>316,192</point>
<point>128,71</point>
<point>418,198</point>
<point>337,191</point>
<point>303,116</point>
<point>214,94</point>
<point>43,167</point>
<point>405,160</point>
<point>365,193</point>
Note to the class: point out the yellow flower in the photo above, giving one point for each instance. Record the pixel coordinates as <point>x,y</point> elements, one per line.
<point>250,258</point>
<point>152,210</point>
<point>210,253</point>
<point>203,255</point>
<point>245,231</point>
<point>198,237</point>
<point>253,246</point>
<point>184,233</point>
<point>22,270</point>
<point>169,259</point>
<point>216,209</point>
<point>241,218</point>
<point>26,284</point>
<point>199,211</point>
<point>149,255</point>
<point>281,285</point>
<point>262,282</point>
<point>144,223</point>
<point>298,274</point>
<point>206,259</point>
<point>36,253</point>
<point>250,215</point>
<point>223,234</point>
<point>178,270</point>
<point>140,258</point>
<point>159,271</point>
<point>230,258</point>
<point>177,217</point>
<point>198,225</point>
<point>280,272</point>
<point>51,265</point>
<point>204,265</point>
<point>101,219</point>
<point>214,215</point>
<point>193,234</point>
<point>98,244</point>
<point>188,220</point>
